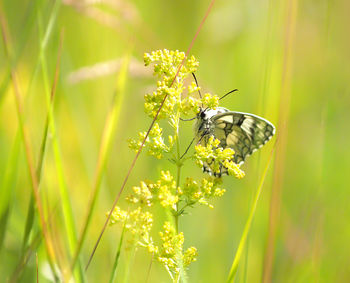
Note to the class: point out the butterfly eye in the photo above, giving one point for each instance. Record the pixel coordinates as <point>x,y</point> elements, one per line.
<point>202,114</point>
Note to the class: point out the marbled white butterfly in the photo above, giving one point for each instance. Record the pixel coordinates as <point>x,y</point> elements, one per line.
<point>243,132</point>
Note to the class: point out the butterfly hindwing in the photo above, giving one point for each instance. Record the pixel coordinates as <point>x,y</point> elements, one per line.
<point>243,132</point>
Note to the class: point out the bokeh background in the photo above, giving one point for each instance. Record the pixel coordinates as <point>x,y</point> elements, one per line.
<point>290,61</point>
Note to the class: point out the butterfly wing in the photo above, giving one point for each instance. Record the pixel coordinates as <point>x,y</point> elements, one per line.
<point>243,132</point>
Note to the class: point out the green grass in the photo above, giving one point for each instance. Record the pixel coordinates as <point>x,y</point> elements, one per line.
<point>63,159</point>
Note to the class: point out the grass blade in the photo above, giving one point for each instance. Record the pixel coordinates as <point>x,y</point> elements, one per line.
<point>27,26</point>
<point>117,256</point>
<point>25,138</point>
<point>30,213</point>
<point>64,192</point>
<point>3,225</point>
<point>9,176</point>
<point>247,226</point>
<point>107,137</point>
<point>29,250</point>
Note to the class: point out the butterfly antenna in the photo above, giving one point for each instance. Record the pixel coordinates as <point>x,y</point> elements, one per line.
<point>200,95</point>
<point>195,79</point>
<point>228,93</point>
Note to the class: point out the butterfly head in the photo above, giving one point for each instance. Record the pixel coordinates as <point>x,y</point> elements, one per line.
<point>204,124</point>
<point>208,113</point>
<point>202,114</point>
<point>202,121</point>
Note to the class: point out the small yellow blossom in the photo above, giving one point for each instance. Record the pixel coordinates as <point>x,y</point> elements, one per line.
<point>203,191</point>
<point>166,64</point>
<point>233,169</point>
<point>210,101</point>
<point>190,256</point>
<point>142,195</point>
<point>154,142</point>
<point>138,222</point>
<point>166,198</point>
<point>215,157</point>
<point>171,253</point>
<point>118,215</point>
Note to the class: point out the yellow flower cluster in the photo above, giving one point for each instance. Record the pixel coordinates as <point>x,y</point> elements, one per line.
<point>171,253</point>
<point>154,142</point>
<point>202,192</point>
<point>164,190</point>
<point>137,221</point>
<point>215,157</point>
<point>141,195</point>
<point>233,169</point>
<point>168,95</point>
<point>166,64</point>
<point>169,100</point>
<point>210,101</point>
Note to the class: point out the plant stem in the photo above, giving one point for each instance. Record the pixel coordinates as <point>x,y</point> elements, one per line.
<point>129,261</point>
<point>179,165</point>
<point>181,276</point>
<point>117,256</point>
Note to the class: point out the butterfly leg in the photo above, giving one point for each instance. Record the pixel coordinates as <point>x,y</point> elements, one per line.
<point>187,149</point>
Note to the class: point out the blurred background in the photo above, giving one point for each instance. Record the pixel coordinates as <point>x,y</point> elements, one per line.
<point>290,61</point>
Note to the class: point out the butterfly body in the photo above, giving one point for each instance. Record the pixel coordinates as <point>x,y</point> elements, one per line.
<point>243,132</point>
<point>204,124</point>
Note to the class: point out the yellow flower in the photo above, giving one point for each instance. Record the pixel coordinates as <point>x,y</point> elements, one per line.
<point>171,254</point>
<point>142,195</point>
<point>215,157</point>
<point>154,142</point>
<point>118,215</point>
<point>233,169</point>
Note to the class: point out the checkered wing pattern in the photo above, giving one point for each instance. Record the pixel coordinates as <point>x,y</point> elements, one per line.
<point>243,132</point>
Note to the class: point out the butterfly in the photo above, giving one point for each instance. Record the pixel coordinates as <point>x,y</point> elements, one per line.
<point>245,133</point>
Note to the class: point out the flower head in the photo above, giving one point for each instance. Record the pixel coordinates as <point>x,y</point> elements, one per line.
<point>215,158</point>
<point>171,253</point>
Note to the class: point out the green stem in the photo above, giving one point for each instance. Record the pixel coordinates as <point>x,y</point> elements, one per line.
<point>181,276</point>
<point>130,259</point>
<point>179,165</point>
<point>117,256</point>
